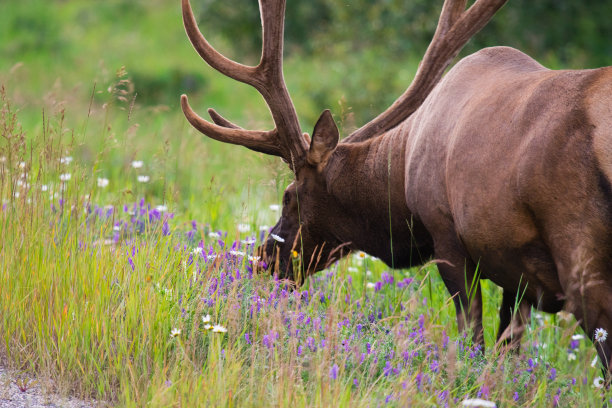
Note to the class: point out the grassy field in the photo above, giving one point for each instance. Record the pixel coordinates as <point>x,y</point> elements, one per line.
<point>126,269</point>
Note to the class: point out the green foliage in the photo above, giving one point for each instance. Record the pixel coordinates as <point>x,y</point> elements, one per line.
<point>75,310</point>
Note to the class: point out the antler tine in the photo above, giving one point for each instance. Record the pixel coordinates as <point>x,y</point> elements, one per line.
<point>257,140</point>
<point>215,59</point>
<point>455,27</point>
<point>274,89</point>
<point>266,77</point>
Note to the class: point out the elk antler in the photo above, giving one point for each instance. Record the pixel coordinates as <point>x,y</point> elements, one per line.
<point>455,27</point>
<point>286,139</point>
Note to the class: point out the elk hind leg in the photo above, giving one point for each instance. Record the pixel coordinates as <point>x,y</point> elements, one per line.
<point>514,315</point>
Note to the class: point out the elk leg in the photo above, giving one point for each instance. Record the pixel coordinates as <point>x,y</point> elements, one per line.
<point>513,318</point>
<point>464,286</point>
<point>587,290</point>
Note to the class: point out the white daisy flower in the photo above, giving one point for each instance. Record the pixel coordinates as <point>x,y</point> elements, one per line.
<point>44,187</point>
<point>237,253</point>
<point>477,402</point>
<point>162,208</point>
<point>206,319</point>
<point>197,250</point>
<point>137,164</point>
<point>249,241</point>
<point>244,227</point>
<point>65,176</point>
<point>102,182</point>
<point>370,285</point>
<point>277,238</point>
<point>217,328</point>
<point>214,234</point>
<point>274,207</point>
<point>207,327</point>
<point>254,258</point>
<point>143,179</point>
<point>598,382</point>
<point>175,332</point>
<point>601,335</point>
<point>66,160</point>
<point>571,357</point>
<point>578,337</point>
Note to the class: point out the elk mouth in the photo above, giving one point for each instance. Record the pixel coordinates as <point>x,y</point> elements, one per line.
<point>277,258</point>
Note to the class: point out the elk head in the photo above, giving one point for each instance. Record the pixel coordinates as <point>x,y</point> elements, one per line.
<point>313,223</point>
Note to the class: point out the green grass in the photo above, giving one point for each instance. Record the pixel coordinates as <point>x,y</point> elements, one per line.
<point>89,296</point>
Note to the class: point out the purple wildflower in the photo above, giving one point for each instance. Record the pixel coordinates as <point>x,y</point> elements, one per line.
<point>333,372</point>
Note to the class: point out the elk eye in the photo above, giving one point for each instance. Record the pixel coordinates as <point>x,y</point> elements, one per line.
<point>286,199</point>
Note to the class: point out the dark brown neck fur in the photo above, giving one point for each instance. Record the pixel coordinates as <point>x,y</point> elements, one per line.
<point>376,191</point>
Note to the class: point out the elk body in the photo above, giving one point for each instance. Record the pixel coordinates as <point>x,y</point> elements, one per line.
<point>503,166</point>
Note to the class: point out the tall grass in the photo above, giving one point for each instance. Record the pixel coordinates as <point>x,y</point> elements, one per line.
<point>103,259</point>
<point>106,294</point>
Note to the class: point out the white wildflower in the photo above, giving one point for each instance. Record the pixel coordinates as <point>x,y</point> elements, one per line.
<point>162,208</point>
<point>206,319</point>
<point>102,182</point>
<point>137,164</point>
<point>197,250</point>
<point>601,335</point>
<point>370,285</point>
<point>117,228</point>
<point>352,269</point>
<point>22,165</point>
<point>214,234</point>
<point>211,257</point>
<point>143,179</point>
<point>594,362</point>
<point>477,402</point>
<point>44,187</point>
<point>274,207</point>
<point>175,332</point>
<point>249,241</point>
<point>598,382</point>
<point>254,259</point>
<point>571,357</point>
<point>277,238</point>
<point>578,337</point>
<point>237,253</point>
<point>264,228</point>
<point>65,176</point>
<point>244,227</point>
<point>66,160</point>
<point>208,326</point>
<point>217,328</point>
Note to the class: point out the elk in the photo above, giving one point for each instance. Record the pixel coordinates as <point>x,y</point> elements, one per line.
<point>501,170</point>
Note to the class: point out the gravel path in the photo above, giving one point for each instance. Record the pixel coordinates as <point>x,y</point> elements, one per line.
<point>34,396</point>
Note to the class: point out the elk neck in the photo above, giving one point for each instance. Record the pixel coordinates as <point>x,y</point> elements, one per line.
<point>366,179</point>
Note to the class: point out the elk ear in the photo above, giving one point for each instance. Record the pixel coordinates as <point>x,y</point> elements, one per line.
<point>325,138</point>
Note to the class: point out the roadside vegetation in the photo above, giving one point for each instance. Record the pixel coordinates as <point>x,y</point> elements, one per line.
<point>127,272</point>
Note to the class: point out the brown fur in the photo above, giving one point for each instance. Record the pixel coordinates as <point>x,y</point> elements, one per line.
<point>503,166</point>
<point>506,165</point>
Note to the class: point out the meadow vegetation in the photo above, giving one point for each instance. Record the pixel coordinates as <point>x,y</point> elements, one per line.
<point>127,272</point>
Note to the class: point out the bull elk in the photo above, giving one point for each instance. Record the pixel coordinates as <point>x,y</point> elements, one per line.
<point>502,169</point>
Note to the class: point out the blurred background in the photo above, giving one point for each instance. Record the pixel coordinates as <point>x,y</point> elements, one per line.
<point>110,74</point>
